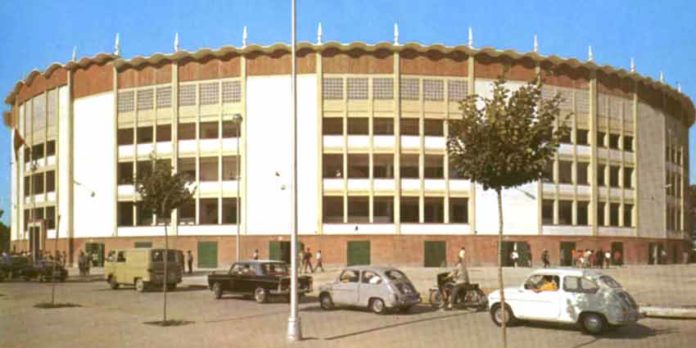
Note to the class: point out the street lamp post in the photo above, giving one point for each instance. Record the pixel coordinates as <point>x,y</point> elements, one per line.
<point>237,119</point>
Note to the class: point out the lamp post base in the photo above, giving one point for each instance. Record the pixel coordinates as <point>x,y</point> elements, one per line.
<point>294,330</point>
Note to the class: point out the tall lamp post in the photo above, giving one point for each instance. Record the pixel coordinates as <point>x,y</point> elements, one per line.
<point>237,119</point>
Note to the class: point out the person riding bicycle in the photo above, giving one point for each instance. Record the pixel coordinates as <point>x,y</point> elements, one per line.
<point>460,277</point>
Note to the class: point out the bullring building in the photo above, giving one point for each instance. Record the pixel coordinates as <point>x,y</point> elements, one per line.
<point>374,181</point>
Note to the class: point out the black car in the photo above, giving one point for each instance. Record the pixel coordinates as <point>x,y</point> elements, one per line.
<point>43,269</point>
<point>16,267</point>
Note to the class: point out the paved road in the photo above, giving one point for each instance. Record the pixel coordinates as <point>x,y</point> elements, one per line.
<point>111,318</point>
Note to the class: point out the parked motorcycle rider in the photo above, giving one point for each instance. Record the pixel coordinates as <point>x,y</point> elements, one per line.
<point>460,277</point>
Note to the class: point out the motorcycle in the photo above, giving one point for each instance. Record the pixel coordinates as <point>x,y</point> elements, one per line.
<point>468,297</point>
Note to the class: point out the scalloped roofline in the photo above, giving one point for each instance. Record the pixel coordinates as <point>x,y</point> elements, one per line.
<point>202,53</point>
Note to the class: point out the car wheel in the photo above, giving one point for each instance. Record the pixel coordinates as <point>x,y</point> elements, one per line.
<point>377,305</point>
<point>139,285</point>
<point>260,295</point>
<point>113,283</point>
<point>217,290</point>
<point>498,315</point>
<point>326,302</point>
<point>593,323</point>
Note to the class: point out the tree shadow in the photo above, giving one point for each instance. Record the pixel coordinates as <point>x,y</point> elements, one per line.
<point>170,322</point>
<point>49,305</point>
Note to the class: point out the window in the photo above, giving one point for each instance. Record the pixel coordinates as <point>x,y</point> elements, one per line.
<point>164,97</point>
<point>187,167</point>
<point>37,151</point>
<point>434,167</point>
<point>410,89</point>
<point>433,90</point>
<point>27,186</point>
<point>187,95</point>
<point>383,166</point>
<point>50,148</point>
<point>600,174</point>
<point>125,173</point>
<point>50,217</point>
<point>126,101</point>
<point>231,92</point>
<point>582,137</point>
<point>229,210</point>
<point>121,257</point>
<point>125,213</point>
<point>409,126</point>
<point>229,168</point>
<point>359,209</point>
<point>582,216</point>
<point>230,129</point>
<point>143,168</point>
<point>208,130</point>
<point>349,276</point>
<point>143,216</point>
<point>208,214</point>
<point>628,177</point>
<point>409,209</point>
<point>358,166</point>
<point>145,99</point>
<point>566,138</point>
<point>383,126</point>
<point>456,90</point>
<point>459,210</point>
<point>332,126</point>
<point>333,88</point>
<point>383,210</point>
<point>565,172</point>
<point>208,168</point>
<point>333,210</point>
<point>600,139</point>
<point>582,169</point>
<point>383,88</point>
<point>187,212</point>
<point>565,212</point>
<point>164,132</point>
<point>547,212</point>
<point>187,131</point>
<point>209,93</point>
<point>125,136</point>
<point>614,176</point>
<point>614,214</point>
<point>357,88</point>
<point>38,183</point>
<point>145,135</point>
<point>369,277</point>
<point>628,215</point>
<point>333,166</point>
<point>614,141</point>
<point>548,172</point>
<point>580,285</point>
<point>434,210</point>
<point>409,166</point>
<point>50,181</point>
<point>358,126</point>
<point>628,143</point>
<point>433,127</point>
<point>600,214</point>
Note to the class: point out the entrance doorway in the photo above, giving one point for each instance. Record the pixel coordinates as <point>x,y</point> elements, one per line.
<point>97,252</point>
<point>524,257</point>
<point>358,253</point>
<point>36,239</point>
<point>567,253</point>
<point>617,253</point>
<point>435,253</point>
<point>207,254</point>
<point>280,251</point>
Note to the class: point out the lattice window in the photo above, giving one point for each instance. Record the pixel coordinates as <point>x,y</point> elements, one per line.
<point>457,90</point>
<point>39,112</point>
<point>52,108</point>
<point>126,101</point>
<point>231,92</point>
<point>187,95</point>
<point>357,88</point>
<point>209,93</point>
<point>164,97</point>
<point>433,90</point>
<point>582,100</point>
<point>602,102</point>
<point>333,88</point>
<point>145,99</point>
<point>410,89</point>
<point>383,88</point>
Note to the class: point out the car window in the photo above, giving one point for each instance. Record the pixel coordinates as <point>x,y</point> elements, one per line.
<point>395,274</point>
<point>111,256</point>
<point>349,276</point>
<point>369,277</point>
<point>542,282</point>
<point>158,256</point>
<point>236,269</point>
<point>610,282</point>
<point>587,285</point>
<point>580,285</point>
<point>571,284</point>
<point>121,257</point>
<point>274,269</point>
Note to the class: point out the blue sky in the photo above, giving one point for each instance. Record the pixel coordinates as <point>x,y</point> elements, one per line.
<point>658,34</point>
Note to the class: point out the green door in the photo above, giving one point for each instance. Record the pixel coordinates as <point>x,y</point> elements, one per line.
<point>97,252</point>
<point>358,253</point>
<point>435,254</point>
<point>280,251</point>
<point>274,251</point>
<point>567,253</point>
<point>207,254</point>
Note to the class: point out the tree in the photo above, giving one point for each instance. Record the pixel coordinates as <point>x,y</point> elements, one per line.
<point>162,192</point>
<point>505,143</point>
<point>4,235</point>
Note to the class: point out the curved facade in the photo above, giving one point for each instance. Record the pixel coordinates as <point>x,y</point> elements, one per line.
<point>374,181</point>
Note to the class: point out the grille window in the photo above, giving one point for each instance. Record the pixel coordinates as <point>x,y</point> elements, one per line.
<point>231,92</point>
<point>456,90</point>
<point>164,97</point>
<point>383,88</point>
<point>187,95</point>
<point>51,108</point>
<point>39,113</point>
<point>433,90</point>
<point>602,101</point>
<point>357,88</point>
<point>126,101</point>
<point>145,99</point>
<point>333,88</point>
<point>209,93</point>
<point>410,89</point>
<point>582,102</point>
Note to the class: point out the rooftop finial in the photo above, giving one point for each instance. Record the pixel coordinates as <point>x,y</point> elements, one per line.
<point>590,56</point>
<point>117,45</point>
<point>320,33</point>
<point>176,42</point>
<point>536,44</point>
<point>396,34</point>
<point>74,54</point>
<point>633,65</point>
<point>471,38</point>
<point>662,77</point>
<point>244,37</point>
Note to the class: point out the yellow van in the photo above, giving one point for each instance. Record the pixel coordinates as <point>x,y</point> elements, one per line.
<point>143,268</point>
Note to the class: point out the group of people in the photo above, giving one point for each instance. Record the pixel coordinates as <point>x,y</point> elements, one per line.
<point>84,263</point>
<point>590,258</point>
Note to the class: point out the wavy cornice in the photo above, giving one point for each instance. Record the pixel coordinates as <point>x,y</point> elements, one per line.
<point>205,53</point>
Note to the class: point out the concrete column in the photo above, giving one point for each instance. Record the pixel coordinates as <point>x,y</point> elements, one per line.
<point>471,90</point>
<point>397,141</point>
<point>592,99</point>
<point>320,134</point>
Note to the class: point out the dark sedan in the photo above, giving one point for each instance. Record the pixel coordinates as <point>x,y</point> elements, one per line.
<point>16,267</point>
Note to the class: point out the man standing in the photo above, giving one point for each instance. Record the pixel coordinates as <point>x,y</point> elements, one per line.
<point>545,258</point>
<point>461,255</point>
<point>319,261</point>
<point>189,261</point>
<point>307,261</point>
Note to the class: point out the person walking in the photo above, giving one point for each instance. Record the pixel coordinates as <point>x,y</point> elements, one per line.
<point>307,261</point>
<point>607,259</point>
<point>545,258</point>
<point>319,261</point>
<point>81,261</point>
<point>461,255</point>
<point>255,255</point>
<point>514,256</point>
<point>189,261</point>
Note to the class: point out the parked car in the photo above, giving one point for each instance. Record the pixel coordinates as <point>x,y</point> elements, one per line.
<point>376,288</point>
<point>591,299</point>
<point>16,266</point>
<point>260,278</point>
<point>143,268</point>
<point>46,271</point>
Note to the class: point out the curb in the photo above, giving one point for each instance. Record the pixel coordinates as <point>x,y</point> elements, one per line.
<point>668,312</point>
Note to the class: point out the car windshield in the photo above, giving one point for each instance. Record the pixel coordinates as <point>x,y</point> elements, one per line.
<point>395,275</point>
<point>157,255</point>
<point>610,282</point>
<point>274,269</point>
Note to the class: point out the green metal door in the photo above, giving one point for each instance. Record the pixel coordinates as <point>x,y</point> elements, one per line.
<point>524,253</point>
<point>435,253</point>
<point>207,254</point>
<point>280,251</point>
<point>97,252</point>
<point>358,253</point>
<point>274,250</point>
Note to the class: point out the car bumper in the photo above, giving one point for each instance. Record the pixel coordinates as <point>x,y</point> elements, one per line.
<point>628,318</point>
<point>402,301</point>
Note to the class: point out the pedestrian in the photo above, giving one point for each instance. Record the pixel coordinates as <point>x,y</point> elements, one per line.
<point>663,256</point>
<point>545,258</point>
<point>189,261</point>
<point>461,255</point>
<point>319,261</point>
<point>81,261</point>
<point>255,255</point>
<point>307,261</point>
<point>607,259</point>
<point>514,256</point>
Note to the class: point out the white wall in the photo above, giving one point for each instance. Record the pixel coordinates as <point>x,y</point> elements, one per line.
<point>95,166</point>
<point>63,160</point>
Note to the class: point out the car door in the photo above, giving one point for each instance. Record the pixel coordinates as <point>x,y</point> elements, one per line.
<point>345,289</point>
<point>536,304</point>
<point>371,286</point>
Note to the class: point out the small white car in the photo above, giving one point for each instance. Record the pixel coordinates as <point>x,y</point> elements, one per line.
<point>591,299</point>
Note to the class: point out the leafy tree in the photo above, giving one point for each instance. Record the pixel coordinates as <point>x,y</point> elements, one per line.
<point>162,192</point>
<point>4,235</point>
<point>506,142</point>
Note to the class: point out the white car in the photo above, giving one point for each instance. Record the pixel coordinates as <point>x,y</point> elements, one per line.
<point>591,299</point>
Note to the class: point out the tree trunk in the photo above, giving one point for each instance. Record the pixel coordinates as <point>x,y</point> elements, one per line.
<point>164,284</point>
<point>500,266</point>
<point>55,261</point>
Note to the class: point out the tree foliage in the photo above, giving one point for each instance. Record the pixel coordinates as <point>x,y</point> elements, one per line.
<point>509,140</point>
<point>4,234</point>
<point>163,191</point>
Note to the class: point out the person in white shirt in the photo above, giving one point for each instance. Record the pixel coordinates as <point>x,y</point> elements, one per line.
<point>514,256</point>
<point>319,262</point>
